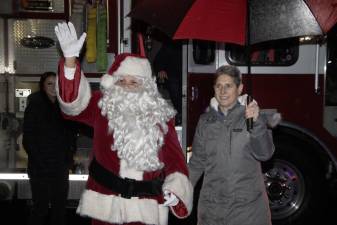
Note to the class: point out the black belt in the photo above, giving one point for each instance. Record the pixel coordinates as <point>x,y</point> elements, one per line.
<point>126,187</point>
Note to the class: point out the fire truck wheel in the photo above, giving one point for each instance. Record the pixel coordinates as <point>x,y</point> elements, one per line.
<point>295,184</point>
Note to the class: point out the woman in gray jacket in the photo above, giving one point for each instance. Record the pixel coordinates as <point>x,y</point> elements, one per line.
<point>229,156</point>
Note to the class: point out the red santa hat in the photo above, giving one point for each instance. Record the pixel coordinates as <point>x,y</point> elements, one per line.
<point>127,64</point>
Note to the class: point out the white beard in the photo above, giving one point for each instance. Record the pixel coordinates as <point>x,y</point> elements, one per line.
<point>138,121</point>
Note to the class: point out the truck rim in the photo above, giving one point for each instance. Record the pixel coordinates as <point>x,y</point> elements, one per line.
<point>286,189</point>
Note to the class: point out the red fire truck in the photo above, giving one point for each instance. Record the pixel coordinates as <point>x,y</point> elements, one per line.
<point>295,78</point>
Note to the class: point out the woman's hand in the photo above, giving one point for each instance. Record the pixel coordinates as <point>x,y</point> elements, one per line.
<point>252,110</point>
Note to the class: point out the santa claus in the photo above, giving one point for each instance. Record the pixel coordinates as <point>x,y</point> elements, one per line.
<point>138,171</point>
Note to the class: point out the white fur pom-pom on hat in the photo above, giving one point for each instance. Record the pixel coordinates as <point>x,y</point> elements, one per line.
<point>127,64</point>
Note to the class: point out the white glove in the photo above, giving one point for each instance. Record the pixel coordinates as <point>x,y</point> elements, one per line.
<point>66,35</point>
<point>170,199</point>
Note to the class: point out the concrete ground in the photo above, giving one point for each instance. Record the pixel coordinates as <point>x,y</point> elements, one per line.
<point>17,213</point>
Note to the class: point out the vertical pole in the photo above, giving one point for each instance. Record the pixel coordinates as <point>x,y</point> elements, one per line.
<point>249,122</point>
<point>317,87</point>
<point>184,111</point>
<point>248,52</point>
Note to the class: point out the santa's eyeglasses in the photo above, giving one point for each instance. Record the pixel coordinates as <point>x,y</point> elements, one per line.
<point>130,82</point>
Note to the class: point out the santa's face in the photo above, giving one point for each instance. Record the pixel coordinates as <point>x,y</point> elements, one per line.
<point>130,83</point>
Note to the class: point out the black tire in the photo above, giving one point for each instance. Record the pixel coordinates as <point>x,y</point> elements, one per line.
<point>296,184</point>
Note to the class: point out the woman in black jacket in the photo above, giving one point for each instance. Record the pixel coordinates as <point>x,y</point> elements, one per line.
<point>49,142</point>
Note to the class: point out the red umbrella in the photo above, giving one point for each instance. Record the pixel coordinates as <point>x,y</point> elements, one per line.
<point>225,20</point>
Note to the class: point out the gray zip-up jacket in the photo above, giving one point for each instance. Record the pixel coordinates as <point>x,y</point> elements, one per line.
<point>233,190</point>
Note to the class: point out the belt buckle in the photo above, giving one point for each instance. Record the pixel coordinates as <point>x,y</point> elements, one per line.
<point>129,192</point>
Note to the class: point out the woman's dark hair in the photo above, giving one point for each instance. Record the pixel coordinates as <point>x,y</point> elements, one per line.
<point>231,71</point>
<point>43,78</point>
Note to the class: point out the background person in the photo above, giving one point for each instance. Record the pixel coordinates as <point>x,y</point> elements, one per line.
<point>233,190</point>
<point>138,170</point>
<point>167,66</point>
<point>49,141</point>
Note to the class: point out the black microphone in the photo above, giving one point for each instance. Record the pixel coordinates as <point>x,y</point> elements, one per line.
<point>249,121</point>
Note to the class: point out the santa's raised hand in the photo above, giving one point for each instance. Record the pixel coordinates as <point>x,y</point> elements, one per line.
<point>67,37</point>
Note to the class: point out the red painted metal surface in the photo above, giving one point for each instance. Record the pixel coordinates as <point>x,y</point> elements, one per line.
<point>113,26</point>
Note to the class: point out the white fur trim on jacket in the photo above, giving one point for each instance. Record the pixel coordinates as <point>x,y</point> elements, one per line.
<point>80,103</point>
<point>214,104</point>
<point>69,72</point>
<point>273,117</point>
<point>179,184</point>
<point>115,209</point>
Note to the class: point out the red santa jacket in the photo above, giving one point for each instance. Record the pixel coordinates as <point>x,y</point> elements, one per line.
<point>80,104</point>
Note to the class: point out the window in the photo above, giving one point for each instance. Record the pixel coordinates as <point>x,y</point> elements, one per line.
<point>203,52</point>
<point>277,53</point>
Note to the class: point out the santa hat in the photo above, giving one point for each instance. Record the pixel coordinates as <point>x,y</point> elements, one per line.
<point>127,64</point>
